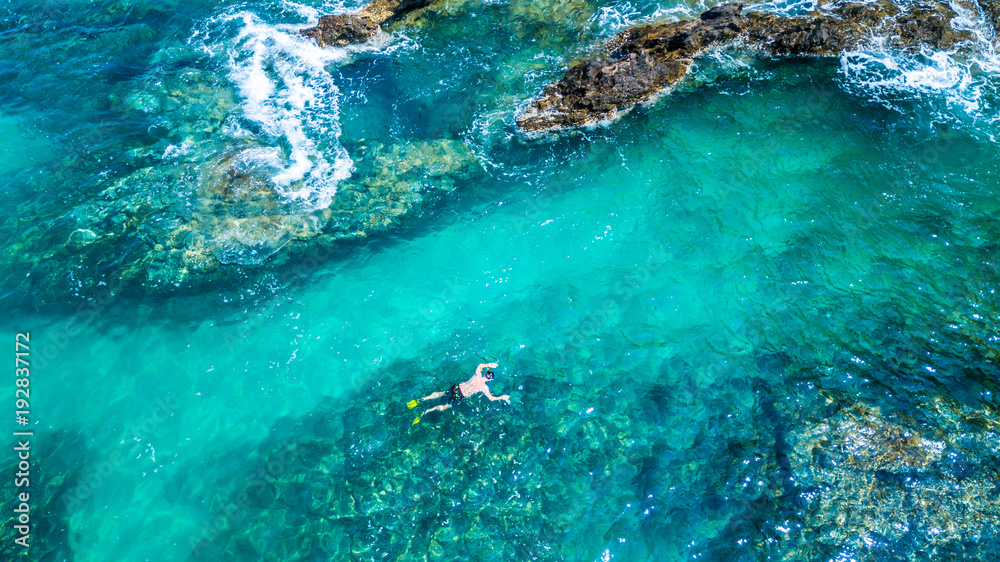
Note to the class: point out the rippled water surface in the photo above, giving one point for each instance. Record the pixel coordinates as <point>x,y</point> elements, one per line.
<point>755,319</point>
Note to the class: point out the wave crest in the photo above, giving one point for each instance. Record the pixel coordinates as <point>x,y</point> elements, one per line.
<point>289,104</point>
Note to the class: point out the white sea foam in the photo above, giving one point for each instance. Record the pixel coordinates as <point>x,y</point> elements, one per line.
<point>307,13</point>
<point>621,15</point>
<point>962,85</point>
<point>314,10</point>
<point>616,17</point>
<point>786,7</point>
<point>289,103</point>
<point>679,12</point>
<point>176,151</point>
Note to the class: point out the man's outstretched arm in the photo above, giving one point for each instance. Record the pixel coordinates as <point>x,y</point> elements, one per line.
<point>505,397</point>
<point>479,369</point>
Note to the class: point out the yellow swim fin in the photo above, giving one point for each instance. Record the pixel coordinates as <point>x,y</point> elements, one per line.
<point>416,421</point>
<point>412,403</point>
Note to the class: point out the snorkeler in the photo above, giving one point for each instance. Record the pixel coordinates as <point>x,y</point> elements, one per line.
<point>462,390</point>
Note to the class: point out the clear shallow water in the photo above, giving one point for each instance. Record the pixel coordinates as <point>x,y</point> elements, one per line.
<point>680,302</point>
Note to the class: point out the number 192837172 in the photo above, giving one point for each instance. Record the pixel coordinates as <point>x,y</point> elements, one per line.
<point>22,369</point>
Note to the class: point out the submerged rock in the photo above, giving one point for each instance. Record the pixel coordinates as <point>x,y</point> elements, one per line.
<point>648,60</point>
<point>237,217</point>
<point>872,482</point>
<point>177,223</point>
<point>359,26</point>
<point>862,483</point>
<point>485,481</point>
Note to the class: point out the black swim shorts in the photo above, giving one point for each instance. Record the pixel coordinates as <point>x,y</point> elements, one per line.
<point>455,395</point>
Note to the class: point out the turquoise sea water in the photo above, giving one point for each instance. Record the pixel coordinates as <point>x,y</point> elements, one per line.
<point>755,319</point>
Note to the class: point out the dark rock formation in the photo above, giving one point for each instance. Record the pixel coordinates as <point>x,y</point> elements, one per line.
<point>804,36</point>
<point>687,38</point>
<point>359,26</point>
<point>342,30</point>
<point>647,60</point>
<point>849,26</point>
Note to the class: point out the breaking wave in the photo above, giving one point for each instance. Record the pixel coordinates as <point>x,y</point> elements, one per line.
<point>289,103</point>
<point>960,86</point>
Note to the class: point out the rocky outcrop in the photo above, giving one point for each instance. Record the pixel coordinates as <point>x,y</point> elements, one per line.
<point>359,26</point>
<point>846,26</point>
<point>648,60</point>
